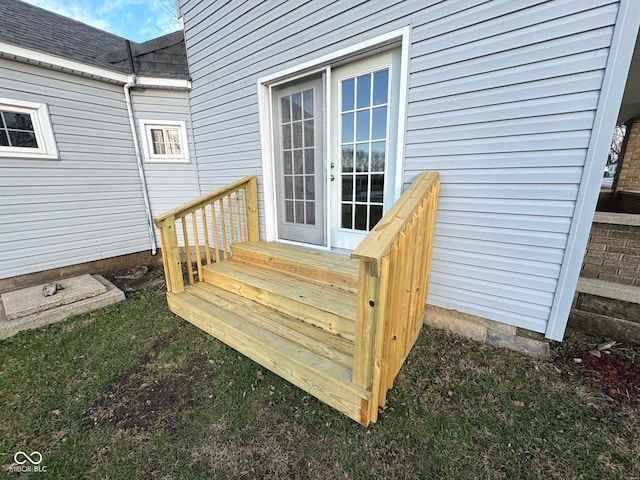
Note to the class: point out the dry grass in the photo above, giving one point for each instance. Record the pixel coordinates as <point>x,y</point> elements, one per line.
<point>131,391</point>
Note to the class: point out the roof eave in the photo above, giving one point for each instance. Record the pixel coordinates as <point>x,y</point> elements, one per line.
<point>47,60</point>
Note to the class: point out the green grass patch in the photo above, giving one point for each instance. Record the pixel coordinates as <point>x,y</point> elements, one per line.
<point>132,391</point>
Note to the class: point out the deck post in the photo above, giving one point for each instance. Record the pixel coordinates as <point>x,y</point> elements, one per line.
<point>366,320</point>
<point>252,210</point>
<point>173,266</point>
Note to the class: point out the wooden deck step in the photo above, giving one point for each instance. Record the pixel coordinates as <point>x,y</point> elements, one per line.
<point>323,305</point>
<point>308,357</point>
<point>324,267</point>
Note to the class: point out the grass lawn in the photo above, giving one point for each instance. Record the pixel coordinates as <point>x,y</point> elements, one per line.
<point>132,391</point>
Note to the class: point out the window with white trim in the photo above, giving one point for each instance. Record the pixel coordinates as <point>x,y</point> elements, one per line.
<point>164,141</point>
<point>25,130</point>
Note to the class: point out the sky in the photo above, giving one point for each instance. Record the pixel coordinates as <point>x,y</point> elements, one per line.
<point>137,20</point>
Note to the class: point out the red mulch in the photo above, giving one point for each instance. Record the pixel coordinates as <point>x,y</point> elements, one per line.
<point>616,372</point>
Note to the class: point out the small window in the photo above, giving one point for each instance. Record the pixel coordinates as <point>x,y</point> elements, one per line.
<point>25,130</point>
<point>164,141</point>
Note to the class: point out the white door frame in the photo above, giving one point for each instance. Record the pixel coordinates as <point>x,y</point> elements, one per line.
<point>267,83</point>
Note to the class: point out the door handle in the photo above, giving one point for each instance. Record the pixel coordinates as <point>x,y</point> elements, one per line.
<point>333,178</point>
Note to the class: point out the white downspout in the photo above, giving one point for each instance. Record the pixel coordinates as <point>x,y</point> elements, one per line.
<point>136,146</point>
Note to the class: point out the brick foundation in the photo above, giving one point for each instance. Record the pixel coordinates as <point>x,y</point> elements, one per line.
<point>613,250</point>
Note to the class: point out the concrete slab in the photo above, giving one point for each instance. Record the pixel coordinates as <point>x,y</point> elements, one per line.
<point>111,294</point>
<point>27,301</point>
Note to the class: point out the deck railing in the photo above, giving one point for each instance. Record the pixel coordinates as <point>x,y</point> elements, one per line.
<point>395,260</point>
<point>209,226</point>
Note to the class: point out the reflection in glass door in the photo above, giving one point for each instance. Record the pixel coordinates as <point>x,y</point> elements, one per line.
<point>363,145</point>
<point>364,99</point>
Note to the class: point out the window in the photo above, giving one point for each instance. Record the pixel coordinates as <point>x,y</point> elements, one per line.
<point>25,130</point>
<point>164,141</point>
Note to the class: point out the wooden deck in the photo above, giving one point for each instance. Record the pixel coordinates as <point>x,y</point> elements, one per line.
<point>279,314</point>
<point>339,328</point>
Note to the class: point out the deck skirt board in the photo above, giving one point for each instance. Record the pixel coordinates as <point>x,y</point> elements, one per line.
<point>319,304</point>
<point>323,378</point>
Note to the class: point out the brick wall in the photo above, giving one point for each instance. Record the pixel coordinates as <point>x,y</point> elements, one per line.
<point>629,175</point>
<point>613,250</point>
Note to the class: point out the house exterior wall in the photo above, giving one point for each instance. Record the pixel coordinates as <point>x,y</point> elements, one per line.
<point>169,183</point>
<point>88,205</point>
<point>502,99</point>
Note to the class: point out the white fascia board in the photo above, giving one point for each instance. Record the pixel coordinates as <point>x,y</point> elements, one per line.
<point>156,82</point>
<point>47,59</point>
<point>73,66</point>
<point>622,45</point>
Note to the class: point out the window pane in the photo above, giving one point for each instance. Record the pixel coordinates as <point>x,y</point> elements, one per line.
<point>375,214</point>
<point>157,136</point>
<point>378,156</point>
<point>361,217</point>
<point>288,188</point>
<point>309,161</point>
<point>297,134</point>
<point>4,140</point>
<point>380,87</point>
<point>362,188</point>
<point>299,212</point>
<point>347,188</point>
<point>308,133</point>
<point>2,120</point>
<point>311,213</point>
<point>307,96</point>
<point>286,159</point>
<point>285,105</point>
<point>296,106</point>
<point>23,139</point>
<point>377,189</point>
<point>347,94</point>
<point>347,127</point>
<point>298,164</point>
<point>173,137</point>
<point>347,221</point>
<point>347,158</point>
<point>362,157</point>
<point>288,211</point>
<point>286,136</point>
<point>362,126</point>
<point>18,121</point>
<point>379,128</point>
<point>310,187</point>
<point>364,91</point>
<point>299,187</point>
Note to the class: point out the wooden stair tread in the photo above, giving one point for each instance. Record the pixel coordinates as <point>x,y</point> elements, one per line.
<point>315,339</point>
<point>255,334</point>
<point>321,266</point>
<point>322,305</point>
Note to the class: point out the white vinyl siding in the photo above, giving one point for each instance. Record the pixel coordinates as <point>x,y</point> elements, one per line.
<point>84,207</point>
<point>502,99</point>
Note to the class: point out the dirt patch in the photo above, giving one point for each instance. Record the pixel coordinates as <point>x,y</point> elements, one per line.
<point>613,368</point>
<point>145,395</point>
